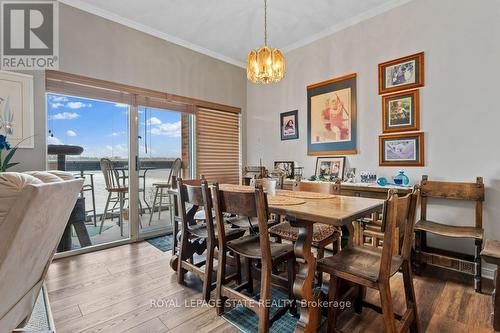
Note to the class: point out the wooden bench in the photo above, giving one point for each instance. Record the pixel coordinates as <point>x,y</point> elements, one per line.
<point>491,254</point>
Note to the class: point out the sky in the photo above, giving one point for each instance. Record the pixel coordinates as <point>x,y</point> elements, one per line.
<point>101,128</point>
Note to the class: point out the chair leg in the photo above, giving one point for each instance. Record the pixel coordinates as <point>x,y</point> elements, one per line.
<point>387,308</point>
<point>221,274</point>
<point>333,292</point>
<point>103,217</point>
<point>319,275</point>
<point>238,268</point>
<point>291,280</point>
<point>120,216</point>
<point>153,207</point>
<point>93,200</point>
<point>182,256</point>
<point>249,276</point>
<point>207,283</point>
<point>411,301</point>
<point>419,245</point>
<point>478,244</point>
<point>159,205</point>
<point>265,297</point>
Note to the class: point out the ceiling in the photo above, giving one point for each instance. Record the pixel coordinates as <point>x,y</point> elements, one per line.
<point>228,29</point>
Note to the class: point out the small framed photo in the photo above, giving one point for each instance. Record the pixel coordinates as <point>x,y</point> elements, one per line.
<point>401,112</point>
<point>401,74</point>
<point>289,122</point>
<point>401,149</point>
<point>330,167</point>
<point>287,167</point>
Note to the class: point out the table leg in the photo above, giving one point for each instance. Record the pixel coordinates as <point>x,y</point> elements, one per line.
<point>304,280</point>
<point>82,233</point>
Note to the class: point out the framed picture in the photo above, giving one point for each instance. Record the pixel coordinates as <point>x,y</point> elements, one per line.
<point>289,123</point>
<point>401,149</point>
<point>331,116</point>
<point>401,112</point>
<point>16,108</point>
<point>328,167</point>
<point>401,74</point>
<point>287,167</point>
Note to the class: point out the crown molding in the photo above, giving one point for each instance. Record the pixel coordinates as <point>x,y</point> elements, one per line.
<point>345,24</point>
<point>148,30</point>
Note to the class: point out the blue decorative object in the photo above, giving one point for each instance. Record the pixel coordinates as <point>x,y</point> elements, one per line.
<point>401,179</point>
<point>382,181</point>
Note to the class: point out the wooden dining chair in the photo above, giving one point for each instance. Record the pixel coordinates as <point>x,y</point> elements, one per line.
<point>323,234</point>
<point>373,269</point>
<point>117,192</point>
<point>193,193</point>
<point>161,189</point>
<point>253,248</point>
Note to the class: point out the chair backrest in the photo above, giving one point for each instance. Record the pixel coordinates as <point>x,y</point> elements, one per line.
<point>111,177</point>
<point>28,238</point>
<point>191,193</point>
<point>398,216</point>
<point>453,191</point>
<point>319,187</point>
<point>175,170</point>
<point>249,204</point>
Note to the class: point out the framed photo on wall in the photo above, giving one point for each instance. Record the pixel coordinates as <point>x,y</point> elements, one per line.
<point>401,149</point>
<point>287,167</point>
<point>331,117</point>
<point>401,74</point>
<point>401,112</point>
<point>330,167</point>
<point>289,124</point>
<point>16,109</point>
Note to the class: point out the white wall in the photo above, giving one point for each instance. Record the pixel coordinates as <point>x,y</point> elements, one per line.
<point>459,112</point>
<point>95,47</point>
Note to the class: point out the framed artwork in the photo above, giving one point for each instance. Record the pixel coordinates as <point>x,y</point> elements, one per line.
<point>401,74</point>
<point>401,149</point>
<point>16,108</point>
<point>289,123</point>
<point>401,112</point>
<point>287,167</point>
<point>330,167</point>
<point>331,116</point>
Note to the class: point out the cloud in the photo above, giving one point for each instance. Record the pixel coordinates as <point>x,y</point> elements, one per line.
<point>154,121</point>
<point>65,116</point>
<point>172,130</point>
<point>56,105</point>
<point>70,133</point>
<point>121,105</point>
<point>52,140</point>
<point>117,133</point>
<point>55,98</point>
<point>77,105</point>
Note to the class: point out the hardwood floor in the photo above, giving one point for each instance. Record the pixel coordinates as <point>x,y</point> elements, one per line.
<point>132,288</point>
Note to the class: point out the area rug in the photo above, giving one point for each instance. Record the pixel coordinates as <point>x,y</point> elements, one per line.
<point>94,231</point>
<point>39,320</point>
<point>162,243</point>
<point>247,321</point>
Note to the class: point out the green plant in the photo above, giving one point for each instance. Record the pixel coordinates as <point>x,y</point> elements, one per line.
<point>4,145</point>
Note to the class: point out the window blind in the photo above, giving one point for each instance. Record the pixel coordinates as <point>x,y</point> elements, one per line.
<point>218,156</point>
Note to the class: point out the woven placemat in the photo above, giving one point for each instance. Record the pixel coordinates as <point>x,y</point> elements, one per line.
<point>284,201</point>
<point>237,188</point>
<point>305,195</point>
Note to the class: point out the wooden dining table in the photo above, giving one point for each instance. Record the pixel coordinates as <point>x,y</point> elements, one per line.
<point>334,210</point>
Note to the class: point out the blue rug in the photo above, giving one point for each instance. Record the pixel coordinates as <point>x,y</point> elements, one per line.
<point>162,243</point>
<point>247,321</point>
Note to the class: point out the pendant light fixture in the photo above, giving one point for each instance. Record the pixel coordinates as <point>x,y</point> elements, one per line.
<point>265,65</point>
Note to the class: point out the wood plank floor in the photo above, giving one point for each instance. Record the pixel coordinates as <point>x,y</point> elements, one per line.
<point>116,290</point>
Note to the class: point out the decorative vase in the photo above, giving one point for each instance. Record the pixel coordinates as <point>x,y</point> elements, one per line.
<point>401,178</point>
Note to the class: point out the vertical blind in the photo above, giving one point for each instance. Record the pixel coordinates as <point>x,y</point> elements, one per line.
<point>218,145</point>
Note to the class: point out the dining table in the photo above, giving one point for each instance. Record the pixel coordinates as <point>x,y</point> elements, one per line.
<point>303,212</point>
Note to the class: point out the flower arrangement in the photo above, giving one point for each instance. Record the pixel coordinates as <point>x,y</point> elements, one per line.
<point>5,162</point>
<point>6,122</point>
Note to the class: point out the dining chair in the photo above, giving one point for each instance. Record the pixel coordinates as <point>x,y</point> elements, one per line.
<point>373,269</point>
<point>175,171</point>
<point>323,234</point>
<point>253,248</point>
<point>116,192</point>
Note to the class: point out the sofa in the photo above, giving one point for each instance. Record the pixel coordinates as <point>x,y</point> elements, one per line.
<point>34,210</point>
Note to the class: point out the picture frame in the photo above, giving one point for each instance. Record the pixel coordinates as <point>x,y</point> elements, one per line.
<point>401,112</point>
<point>287,166</point>
<point>405,149</point>
<point>16,109</point>
<point>328,167</point>
<point>401,74</point>
<point>289,125</point>
<point>332,117</point>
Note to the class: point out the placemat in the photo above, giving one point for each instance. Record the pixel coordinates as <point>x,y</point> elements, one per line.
<point>284,201</point>
<point>305,195</point>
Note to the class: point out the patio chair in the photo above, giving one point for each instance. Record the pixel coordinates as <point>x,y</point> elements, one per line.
<point>175,171</point>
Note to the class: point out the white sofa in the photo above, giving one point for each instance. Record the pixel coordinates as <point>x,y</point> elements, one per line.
<point>34,210</point>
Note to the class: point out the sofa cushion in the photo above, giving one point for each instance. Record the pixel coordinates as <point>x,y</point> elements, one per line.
<point>64,175</point>
<point>45,176</point>
<point>11,185</point>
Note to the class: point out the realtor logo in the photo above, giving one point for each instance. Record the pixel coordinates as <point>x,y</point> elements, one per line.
<point>30,35</point>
